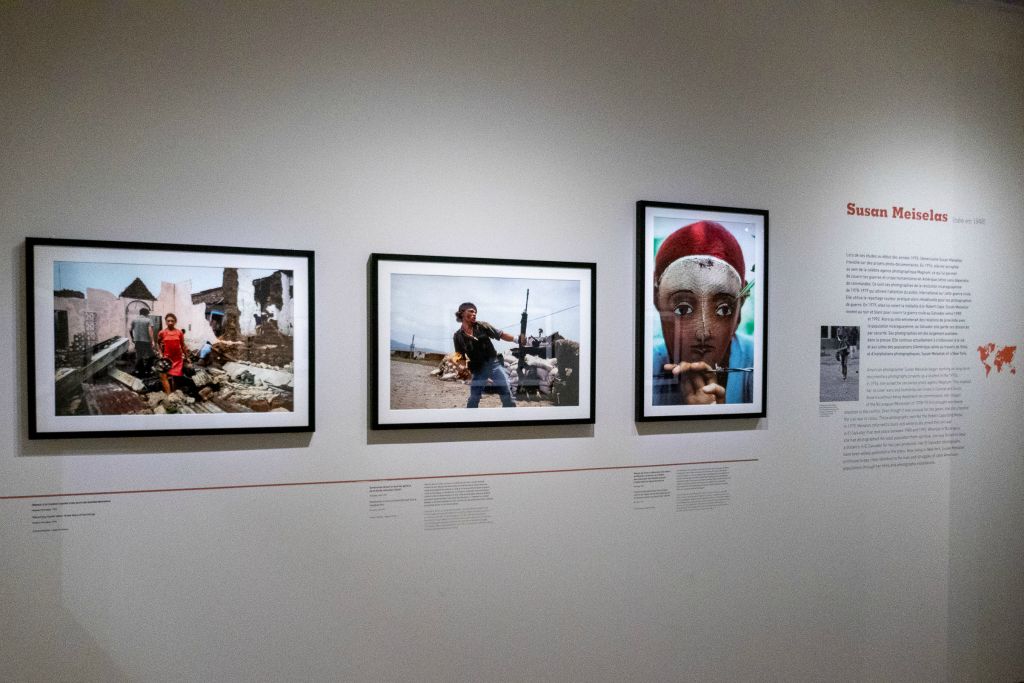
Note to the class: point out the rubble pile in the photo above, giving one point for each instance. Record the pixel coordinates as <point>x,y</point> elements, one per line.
<point>178,403</point>
<point>75,355</point>
<point>269,347</point>
<point>259,387</point>
<point>451,368</point>
<point>112,399</point>
<point>235,388</point>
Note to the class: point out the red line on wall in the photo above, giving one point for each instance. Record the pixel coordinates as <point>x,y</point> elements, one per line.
<point>370,481</point>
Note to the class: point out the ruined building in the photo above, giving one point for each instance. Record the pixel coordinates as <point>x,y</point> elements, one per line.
<point>248,321</point>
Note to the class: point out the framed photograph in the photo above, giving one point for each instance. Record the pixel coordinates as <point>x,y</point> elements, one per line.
<point>839,363</point>
<point>139,339</point>
<point>464,342</point>
<point>701,311</point>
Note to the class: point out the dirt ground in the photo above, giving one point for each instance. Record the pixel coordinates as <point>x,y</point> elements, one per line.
<point>832,385</point>
<point>412,386</point>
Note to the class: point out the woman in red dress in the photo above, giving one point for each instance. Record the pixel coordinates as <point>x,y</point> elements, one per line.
<point>172,347</point>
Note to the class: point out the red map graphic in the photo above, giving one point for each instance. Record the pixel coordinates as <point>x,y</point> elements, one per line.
<point>1001,357</point>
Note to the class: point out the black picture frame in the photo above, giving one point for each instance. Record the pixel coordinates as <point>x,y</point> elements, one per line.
<point>709,245</point>
<point>420,295</point>
<point>89,377</point>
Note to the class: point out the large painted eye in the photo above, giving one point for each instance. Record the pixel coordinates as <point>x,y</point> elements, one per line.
<point>683,309</point>
<point>724,310</point>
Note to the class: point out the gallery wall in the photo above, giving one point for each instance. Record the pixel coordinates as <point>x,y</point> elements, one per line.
<point>526,131</point>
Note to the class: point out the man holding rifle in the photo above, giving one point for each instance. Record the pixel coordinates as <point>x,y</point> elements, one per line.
<point>473,340</point>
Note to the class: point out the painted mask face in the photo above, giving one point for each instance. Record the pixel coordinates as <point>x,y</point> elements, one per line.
<point>698,300</point>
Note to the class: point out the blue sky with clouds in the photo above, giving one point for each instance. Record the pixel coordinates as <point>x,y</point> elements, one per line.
<point>114,277</point>
<point>425,305</point>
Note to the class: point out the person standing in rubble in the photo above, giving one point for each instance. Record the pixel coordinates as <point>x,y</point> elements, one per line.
<point>473,340</point>
<point>142,337</point>
<point>172,347</point>
<point>206,354</point>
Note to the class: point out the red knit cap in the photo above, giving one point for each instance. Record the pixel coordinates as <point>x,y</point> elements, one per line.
<point>704,238</point>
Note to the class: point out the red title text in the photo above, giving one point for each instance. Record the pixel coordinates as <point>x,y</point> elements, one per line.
<point>911,214</point>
